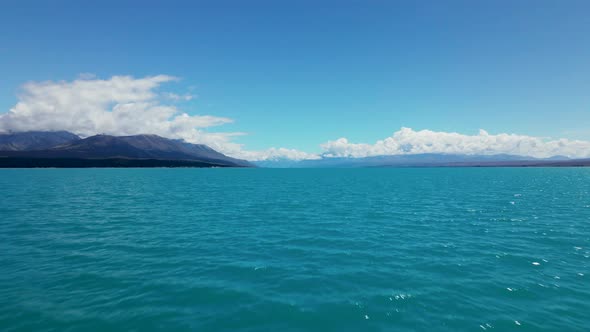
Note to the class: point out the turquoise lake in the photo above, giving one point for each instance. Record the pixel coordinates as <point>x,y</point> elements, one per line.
<point>398,249</point>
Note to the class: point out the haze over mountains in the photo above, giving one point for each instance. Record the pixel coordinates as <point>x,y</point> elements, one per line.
<point>427,160</point>
<point>64,149</point>
<point>35,140</point>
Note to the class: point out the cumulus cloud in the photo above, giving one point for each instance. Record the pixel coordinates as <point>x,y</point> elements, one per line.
<point>177,97</point>
<point>121,105</point>
<point>278,154</point>
<point>409,141</point>
<point>124,105</point>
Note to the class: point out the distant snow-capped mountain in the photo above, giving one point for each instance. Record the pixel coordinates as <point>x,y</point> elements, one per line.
<point>425,160</point>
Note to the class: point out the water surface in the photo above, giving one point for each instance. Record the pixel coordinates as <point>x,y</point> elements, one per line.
<point>442,249</point>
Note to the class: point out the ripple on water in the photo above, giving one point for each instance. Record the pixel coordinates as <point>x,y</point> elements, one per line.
<point>299,250</point>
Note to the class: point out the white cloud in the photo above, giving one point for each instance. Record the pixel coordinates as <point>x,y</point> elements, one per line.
<point>121,105</point>
<point>177,97</point>
<point>409,141</point>
<point>277,154</point>
<point>124,105</point>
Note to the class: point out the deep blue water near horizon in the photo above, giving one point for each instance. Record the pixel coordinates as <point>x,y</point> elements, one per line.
<point>402,249</point>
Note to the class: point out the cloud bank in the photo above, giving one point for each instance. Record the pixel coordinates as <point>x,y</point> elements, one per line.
<point>278,154</point>
<point>409,141</point>
<point>121,105</point>
<point>124,105</point>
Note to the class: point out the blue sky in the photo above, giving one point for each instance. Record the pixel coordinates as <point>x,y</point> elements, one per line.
<point>299,73</point>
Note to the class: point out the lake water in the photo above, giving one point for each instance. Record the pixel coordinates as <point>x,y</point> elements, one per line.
<point>441,249</point>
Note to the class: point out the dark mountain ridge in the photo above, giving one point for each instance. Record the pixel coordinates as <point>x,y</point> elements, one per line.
<point>64,149</point>
<point>35,140</point>
<point>136,147</point>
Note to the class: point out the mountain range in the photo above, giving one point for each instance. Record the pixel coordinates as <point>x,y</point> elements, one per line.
<point>427,160</point>
<point>62,149</point>
<point>35,140</point>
